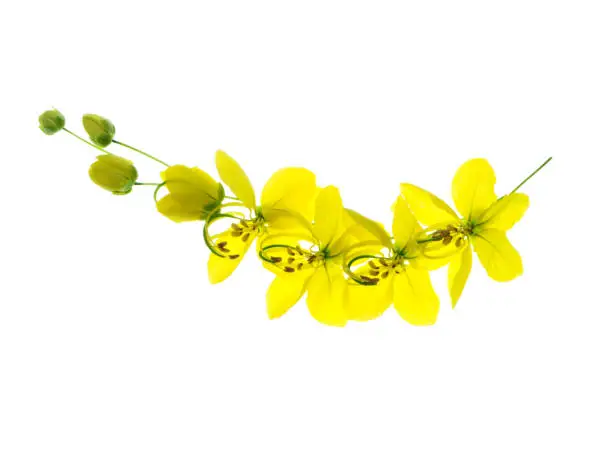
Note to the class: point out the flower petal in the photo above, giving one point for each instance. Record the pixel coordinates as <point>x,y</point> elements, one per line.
<point>427,208</point>
<point>505,212</point>
<point>284,292</point>
<point>458,272</point>
<point>499,258</point>
<point>183,180</point>
<point>181,208</point>
<point>233,175</point>
<point>405,225</point>
<point>364,303</point>
<point>290,189</point>
<point>363,228</point>
<point>328,215</point>
<point>473,186</point>
<point>220,268</point>
<point>414,297</point>
<point>325,297</point>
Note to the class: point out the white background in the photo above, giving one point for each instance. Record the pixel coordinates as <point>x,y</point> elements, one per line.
<point>114,346</point>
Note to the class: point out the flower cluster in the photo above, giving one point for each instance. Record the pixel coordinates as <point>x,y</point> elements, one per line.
<point>347,266</point>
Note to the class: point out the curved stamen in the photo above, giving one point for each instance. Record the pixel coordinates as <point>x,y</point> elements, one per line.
<point>215,215</point>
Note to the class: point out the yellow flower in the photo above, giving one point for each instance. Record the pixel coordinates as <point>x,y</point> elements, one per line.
<point>483,225</point>
<point>387,271</point>
<point>287,201</point>
<point>192,194</point>
<point>113,173</point>
<point>309,260</point>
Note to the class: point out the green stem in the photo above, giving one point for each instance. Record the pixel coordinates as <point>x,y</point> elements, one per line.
<point>531,175</point>
<point>146,183</point>
<point>141,152</point>
<point>86,141</point>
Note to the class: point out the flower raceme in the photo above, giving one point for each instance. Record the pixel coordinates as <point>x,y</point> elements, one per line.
<point>347,266</point>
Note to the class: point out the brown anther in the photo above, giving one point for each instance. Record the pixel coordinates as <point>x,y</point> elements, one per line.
<point>374,272</point>
<point>290,260</point>
<point>300,265</point>
<point>447,239</point>
<point>384,275</point>
<point>372,264</point>
<point>234,256</point>
<point>223,249</point>
<point>244,223</point>
<point>276,259</point>
<point>299,250</point>
<point>221,244</point>
<point>459,242</point>
<point>451,228</point>
<point>245,237</point>
<point>438,235</point>
<point>289,269</point>
<point>383,262</point>
<point>290,252</point>
<point>236,234</point>
<point>236,227</point>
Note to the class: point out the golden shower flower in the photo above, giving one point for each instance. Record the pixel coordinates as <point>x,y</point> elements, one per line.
<point>483,224</point>
<point>113,173</point>
<point>287,201</point>
<point>51,121</point>
<point>192,194</point>
<point>309,260</point>
<point>100,130</point>
<point>386,271</point>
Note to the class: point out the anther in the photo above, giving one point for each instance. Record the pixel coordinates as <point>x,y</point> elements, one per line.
<point>459,242</point>
<point>276,259</point>
<point>289,269</point>
<point>374,272</point>
<point>245,237</point>
<point>300,265</point>
<point>447,239</point>
<point>372,264</point>
<point>290,252</point>
<point>236,234</point>
<point>236,227</point>
<point>234,256</point>
<point>290,260</point>
<point>384,275</point>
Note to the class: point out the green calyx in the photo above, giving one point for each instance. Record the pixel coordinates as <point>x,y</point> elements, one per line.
<point>51,121</point>
<point>100,130</point>
<point>113,173</point>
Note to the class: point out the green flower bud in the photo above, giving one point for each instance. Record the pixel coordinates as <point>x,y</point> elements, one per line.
<point>51,122</point>
<point>114,174</point>
<point>101,131</point>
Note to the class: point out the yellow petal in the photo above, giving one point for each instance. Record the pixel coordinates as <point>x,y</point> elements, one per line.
<point>290,189</point>
<point>458,272</point>
<point>505,212</point>
<point>181,208</point>
<point>364,303</point>
<point>363,228</point>
<point>325,297</point>
<point>414,297</point>
<point>190,181</point>
<point>220,268</point>
<point>473,186</point>
<point>405,225</point>
<point>499,258</point>
<point>328,215</point>
<point>284,292</point>
<point>427,208</point>
<point>232,174</point>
